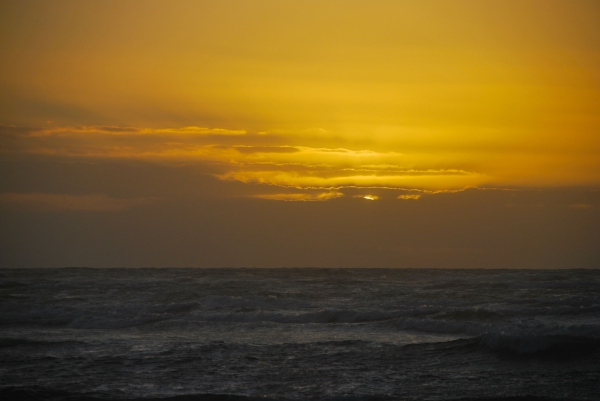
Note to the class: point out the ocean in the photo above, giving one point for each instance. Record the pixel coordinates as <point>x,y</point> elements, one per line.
<point>299,334</point>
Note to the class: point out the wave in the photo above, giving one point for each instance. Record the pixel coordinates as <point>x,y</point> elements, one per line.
<point>34,394</point>
<point>523,344</point>
<point>10,284</point>
<point>437,319</point>
<point>38,394</point>
<point>6,342</point>
<point>558,345</point>
<point>520,345</point>
<point>63,309</point>
<point>181,307</point>
<point>255,303</point>
<point>323,316</point>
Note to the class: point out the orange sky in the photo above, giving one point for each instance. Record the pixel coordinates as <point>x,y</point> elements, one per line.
<point>303,100</point>
<point>431,95</point>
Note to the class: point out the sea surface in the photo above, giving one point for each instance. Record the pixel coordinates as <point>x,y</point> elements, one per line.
<point>299,334</point>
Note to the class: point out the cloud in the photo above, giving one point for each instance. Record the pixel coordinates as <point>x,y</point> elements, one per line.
<point>265,149</point>
<point>332,178</point>
<point>62,202</point>
<point>581,206</point>
<point>235,155</point>
<point>302,197</point>
<point>286,160</point>
<point>406,197</point>
<point>116,130</point>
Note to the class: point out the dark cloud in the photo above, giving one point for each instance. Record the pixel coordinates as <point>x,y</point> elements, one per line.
<point>20,107</point>
<point>202,221</point>
<point>41,202</point>
<point>75,209</point>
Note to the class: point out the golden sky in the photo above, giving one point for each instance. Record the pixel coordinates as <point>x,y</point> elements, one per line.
<point>331,100</point>
<point>324,94</point>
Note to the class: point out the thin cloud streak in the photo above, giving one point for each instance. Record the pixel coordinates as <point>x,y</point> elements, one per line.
<point>302,197</point>
<point>42,202</point>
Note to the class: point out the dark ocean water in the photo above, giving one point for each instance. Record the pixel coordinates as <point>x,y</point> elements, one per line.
<point>299,334</point>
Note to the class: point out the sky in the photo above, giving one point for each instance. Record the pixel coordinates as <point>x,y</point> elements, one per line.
<point>446,134</point>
